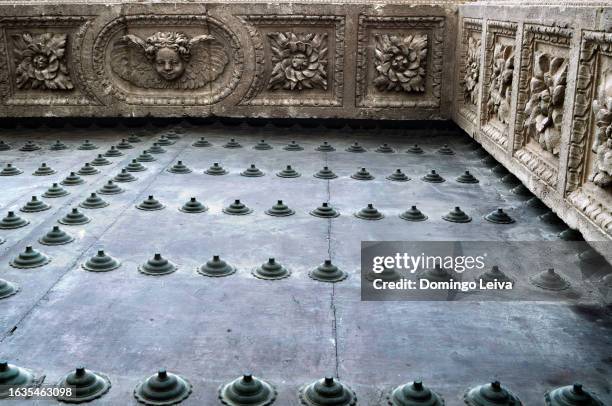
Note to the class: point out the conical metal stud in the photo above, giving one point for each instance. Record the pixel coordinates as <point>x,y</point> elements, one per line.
<point>55,191</point>
<point>4,146</point>
<point>100,161</point>
<point>93,201</point>
<point>369,213</point>
<point>56,237</point>
<point>490,162</point>
<point>385,149</point>
<point>415,149</point>
<point>30,258</point>
<point>446,150</point>
<point>494,275</point>
<point>325,211</point>
<point>157,265</point>
<point>510,180</point>
<point>280,209</point>
<point>13,221</point>
<point>271,270</point>
<point>193,206</point>
<point>537,205</point>
<point>145,157</point>
<point>150,204</point>
<point>551,218</point>
<point>124,176</point>
<point>288,172</point>
<point>492,394</point>
<point>113,152</point>
<point>125,144</point>
<point>87,145</point>
<point>74,218</point>
<point>327,391</point>
<point>7,289</point>
<point>156,149</point>
<point>328,272</point>
<point>467,177</point>
<point>133,138</point>
<point>252,172</point>
<point>325,173</point>
<point>247,390</point>
<point>88,385</point>
<point>110,188</point>
<point>232,143</point>
<point>413,214</point>
<point>174,133</point>
<point>499,170</point>
<point>398,176</point>
<point>237,208</point>
<point>43,170</point>
<point>570,234</point>
<point>356,148</point>
<point>35,205</point>
<point>499,216</point>
<point>437,274</point>
<point>414,394</point>
<point>135,166</point>
<point>362,174</point>
<point>572,395</point>
<point>387,275</point>
<point>325,147</point>
<point>216,267</point>
<point>433,177</point>
<point>164,141</point>
<point>10,170</point>
<point>216,170</point>
<point>163,388</point>
<point>29,146</point>
<point>101,262</point>
<point>15,377</point>
<point>549,280</point>
<point>457,216</point>
<point>201,143</point>
<point>180,168</point>
<point>521,191</point>
<point>293,146</point>
<point>87,170</point>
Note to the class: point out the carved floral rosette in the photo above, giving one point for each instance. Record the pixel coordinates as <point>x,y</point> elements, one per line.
<point>470,76</point>
<point>498,81</point>
<point>178,60</point>
<point>399,61</point>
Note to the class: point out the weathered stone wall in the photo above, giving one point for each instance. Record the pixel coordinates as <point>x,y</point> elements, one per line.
<point>310,59</point>
<point>534,87</point>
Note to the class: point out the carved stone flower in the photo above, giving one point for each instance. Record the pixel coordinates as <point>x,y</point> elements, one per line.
<point>41,61</point>
<point>400,62</point>
<point>500,95</point>
<point>472,71</point>
<point>545,106</point>
<point>300,61</point>
<point>602,143</point>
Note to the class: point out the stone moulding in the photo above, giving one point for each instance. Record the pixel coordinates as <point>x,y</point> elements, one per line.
<point>470,27</point>
<point>366,93</point>
<point>494,29</point>
<point>216,91</point>
<point>544,167</point>
<point>257,95</point>
<point>74,28</point>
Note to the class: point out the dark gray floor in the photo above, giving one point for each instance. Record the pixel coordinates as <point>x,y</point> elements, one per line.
<point>291,331</point>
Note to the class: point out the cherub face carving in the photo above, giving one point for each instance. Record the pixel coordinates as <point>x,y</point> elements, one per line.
<point>169,64</point>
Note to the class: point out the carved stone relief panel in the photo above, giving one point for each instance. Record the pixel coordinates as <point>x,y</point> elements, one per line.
<point>541,99</point>
<point>299,60</point>
<point>399,61</point>
<point>589,180</point>
<point>497,82</point>
<point>40,61</point>
<point>469,68</point>
<point>179,60</point>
